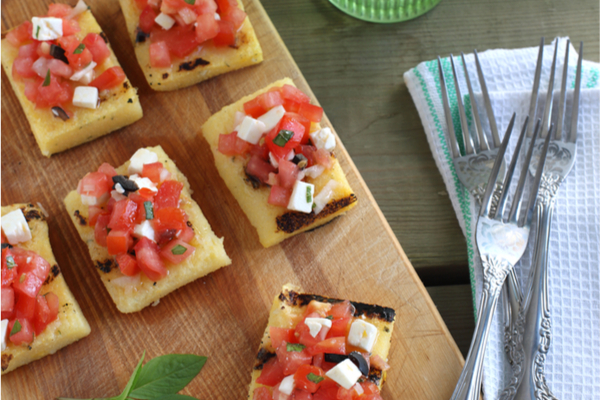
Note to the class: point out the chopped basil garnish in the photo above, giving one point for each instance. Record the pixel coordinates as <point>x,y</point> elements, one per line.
<point>47,80</point>
<point>190,1</point>
<point>283,137</point>
<point>295,347</point>
<point>178,250</point>
<point>37,32</point>
<point>10,262</point>
<point>314,378</point>
<point>329,317</point>
<point>22,278</point>
<point>308,195</point>
<point>16,328</point>
<point>149,210</point>
<point>79,49</point>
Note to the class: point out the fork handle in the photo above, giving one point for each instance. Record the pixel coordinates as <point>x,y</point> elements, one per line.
<point>469,382</point>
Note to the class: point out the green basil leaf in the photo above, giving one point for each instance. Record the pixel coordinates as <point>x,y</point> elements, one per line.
<point>79,49</point>
<point>190,1</point>
<point>149,210</point>
<point>16,328</point>
<point>47,79</point>
<point>178,250</point>
<point>283,137</point>
<point>167,374</point>
<point>314,378</point>
<point>329,317</point>
<point>308,195</point>
<point>295,347</point>
<point>10,262</point>
<point>37,32</point>
<point>132,381</point>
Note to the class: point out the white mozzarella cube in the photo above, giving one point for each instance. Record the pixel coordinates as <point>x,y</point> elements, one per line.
<point>84,73</point>
<point>144,230</point>
<point>325,195</point>
<point>86,97</point>
<point>302,197</point>
<point>115,195</point>
<point>362,334</point>
<point>139,158</point>
<point>345,374</point>
<point>3,327</point>
<point>273,160</point>
<point>237,120</point>
<point>250,130</point>
<point>272,117</point>
<point>15,227</point>
<point>316,324</point>
<point>48,28</point>
<point>323,139</point>
<point>164,21</point>
<point>287,385</point>
<point>143,182</point>
<point>88,77</point>
<point>315,171</point>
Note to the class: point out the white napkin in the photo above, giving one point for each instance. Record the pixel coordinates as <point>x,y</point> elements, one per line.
<point>573,363</point>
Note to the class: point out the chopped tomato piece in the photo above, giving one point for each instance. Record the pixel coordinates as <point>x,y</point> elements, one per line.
<point>335,345</point>
<point>205,7</point>
<point>369,388</point>
<point>28,284</point>
<point>306,375</point>
<point>279,196</point>
<point>230,11</point>
<point>347,394</point>
<point>20,34</point>
<point>149,260</point>
<point>291,105</point>
<point>260,150</point>
<point>24,335</point>
<point>279,335</point>
<point>46,311</point>
<point>231,145</point>
<point>123,215</point>
<point>226,35</point>
<point>97,46</point>
<point>291,93</point>
<point>93,214</point>
<point>379,363</point>
<point>254,108</point>
<point>29,50</point>
<point>110,78</point>
<point>290,361</point>
<point>303,332</point>
<point>59,68</point>
<point>22,68</point>
<point>180,40</point>
<point>70,27</point>
<point>109,170</point>
<point>312,113</point>
<point>118,241</point>
<point>206,27</point>
<point>318,307</point>
<point>187,234</point>
<point>141,4</point>
<point>56,93</point>
<point>259,168</point>
<point>169,218</point>
<point>29,261</point>
<point>288,173</point>
<point>322,157</point>
<point>342,316</point>
<point>25,307</point>
<point>305,123</point>
<point>76,60</point>
<point>8,300</point>
<point>8,274</point>
<point>159,55</point>
<point>287,123</point>
<point>147,18</point>
<point>168,194</point>
<point>271,374</point>
<point>327,391</point>
<point>270,99</point>
<point>262,393</point>
<point>172,6</point>
<point>127,264</point>
<point>176,251</point>
<point>153,172</point>
<point>100,231</point>
<point>309,152</point>
<point>299,394</point>
<point>59,10</point>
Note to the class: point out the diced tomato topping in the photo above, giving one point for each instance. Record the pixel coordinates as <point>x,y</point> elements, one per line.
<point>56,93</point>
<point>20,34</point>
<point>97,46</point>
<point>8,300</point>
<point>168,194</point>
<point>59,68</point>
<point>141,4</point>
<point>25,307</point>
<point>100,231</point>
<point>231,145</point>
<point>327,391</point>
<point>93,214</point>
<point>229,11</point>
<point>291,105</point>
<point>110,78</point>
<point>206,27</point>
<point>22,68</point>
<point>205,7</point>
<point>109,170</point>
<point>271,374</point>
<point>9,274</point>
<point>288,123</point>
<point>270,99</point>
<point>147,18</point>
<point>180,40</point>
<point>288,173</point>
<point>292,93</point>
<point>279,196</point>
<point>169,218</point>
<point>127,264</point>
<point>59,10</point>
<point>305,123</point>
<point>279,335</point>
<point>31,262</point>
<point>226,35</point>
<point>318,307</point>
<point>118,241</point>
<point>29,50</point>
<point>176,251</point>
<point>299,394</point>
<point>302,380</point>
<point>260,150</point>
<point>187,234</point>
<point>149,260</point>
<point>70,27</point>
<point>334,345</point>
<point>342,316</point>
<point>77,61</point>
<point>312,113</point>
<point>262,393</point>
<point>254,108</point>
<point>290,361</point>
<point>379,363</point>
<point>347,394</point>
<point>259,168</point>
<point>25,335</point>
<point>153,171</point>
<point>159,55</point>
<point>123,215</point>
<point>303,332</point>
<point>46,311</point>
<point>322,157</point>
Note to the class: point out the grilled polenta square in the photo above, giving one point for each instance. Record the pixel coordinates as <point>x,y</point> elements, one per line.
<point>132,294</point>
<point>118,107</point>
<point>273,224</point>
<point>70,324</point>
<point>205,62</point>
<point>289,309</point>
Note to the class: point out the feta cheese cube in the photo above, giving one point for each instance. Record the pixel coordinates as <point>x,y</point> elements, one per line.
<point>362,334</point>
<point>48,28</point>
<point>272,117</point>
<point>116,195</point>
<point>237,120</point>
<point>3,327</point>
<point>86,97</point>
<point>144,230</point>
<point>323,139</point>
<point>345,374</point>
<point>83,73</point>
<point>119,188</point>
<point>139,158</point>
<point>287,385</point>
<point>143,182</point>
<point>15,227</point>
<point>251,130</point>
<point>273,160</point>
<point>315,171</point>
<point>164,21</point>
<point>302,197</point>
<point>325,195</point>
<point>315,325</point>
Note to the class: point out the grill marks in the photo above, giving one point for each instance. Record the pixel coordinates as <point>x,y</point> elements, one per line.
<point>293,221</point>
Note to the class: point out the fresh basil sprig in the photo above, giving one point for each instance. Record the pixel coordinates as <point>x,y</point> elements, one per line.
<point>160,379</point>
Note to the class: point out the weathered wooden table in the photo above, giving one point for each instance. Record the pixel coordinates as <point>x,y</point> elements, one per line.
<point>355,69</point>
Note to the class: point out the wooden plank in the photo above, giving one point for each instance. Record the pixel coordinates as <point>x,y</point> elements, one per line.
<point>223,315</point>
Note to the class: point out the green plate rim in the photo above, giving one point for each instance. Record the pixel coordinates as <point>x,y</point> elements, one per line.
<point>376,21</point>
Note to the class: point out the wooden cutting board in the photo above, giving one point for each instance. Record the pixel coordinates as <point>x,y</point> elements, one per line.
<point>222,316</point>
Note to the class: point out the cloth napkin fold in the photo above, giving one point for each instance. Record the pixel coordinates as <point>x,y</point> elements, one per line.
<point>573,364</point>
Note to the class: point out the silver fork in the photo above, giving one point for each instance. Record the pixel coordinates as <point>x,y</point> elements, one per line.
<point>533,327</point>
<point>501,243</point>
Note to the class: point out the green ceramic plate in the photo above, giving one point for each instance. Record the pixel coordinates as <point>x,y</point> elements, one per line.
<point>385,11</point>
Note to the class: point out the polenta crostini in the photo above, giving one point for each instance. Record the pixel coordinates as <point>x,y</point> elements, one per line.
<point>39,313</point>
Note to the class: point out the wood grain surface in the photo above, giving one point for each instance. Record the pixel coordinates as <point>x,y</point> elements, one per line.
<point>222,316</point>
